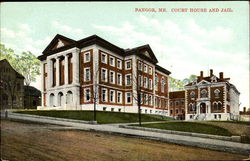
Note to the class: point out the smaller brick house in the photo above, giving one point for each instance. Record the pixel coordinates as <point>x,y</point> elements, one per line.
<point>32,97</point>
<point>177,104</point>
<point>11,84</point>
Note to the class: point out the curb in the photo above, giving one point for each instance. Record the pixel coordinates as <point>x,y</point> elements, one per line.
<point>226,138</point>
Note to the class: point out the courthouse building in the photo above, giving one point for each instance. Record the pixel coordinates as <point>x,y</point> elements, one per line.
<point>76,73</point>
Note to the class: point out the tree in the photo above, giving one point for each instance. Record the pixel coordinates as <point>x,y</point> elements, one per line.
<point>248,110</point>
<point>26,63</point>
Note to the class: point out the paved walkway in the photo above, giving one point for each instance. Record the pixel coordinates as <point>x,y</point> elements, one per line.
<point>170,138</point>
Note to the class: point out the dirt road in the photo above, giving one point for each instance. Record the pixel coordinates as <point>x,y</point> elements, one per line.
<point>26,141</point>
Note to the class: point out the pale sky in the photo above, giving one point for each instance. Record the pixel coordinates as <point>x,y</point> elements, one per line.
<point>184,43</point>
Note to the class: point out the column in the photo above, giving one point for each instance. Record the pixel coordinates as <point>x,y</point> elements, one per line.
<point>75,57</point>
<point>66,69</point>
<point>50,73</point>
<point>57,71</point>
<point>42,81</point>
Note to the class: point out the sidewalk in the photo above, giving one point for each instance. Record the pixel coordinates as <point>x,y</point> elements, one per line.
<point>207,143</point>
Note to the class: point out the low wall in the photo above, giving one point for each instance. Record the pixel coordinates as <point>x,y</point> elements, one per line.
<point>227,138</point>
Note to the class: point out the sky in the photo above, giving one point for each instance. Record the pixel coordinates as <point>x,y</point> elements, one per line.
<point>185,43</point>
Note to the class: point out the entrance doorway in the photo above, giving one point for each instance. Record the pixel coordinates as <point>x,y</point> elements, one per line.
<point>202,108</point>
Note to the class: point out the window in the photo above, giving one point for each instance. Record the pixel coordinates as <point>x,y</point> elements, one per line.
<point>190,116</point>
<point>192,95</point>
<point>128,80</point>
<point>128,97</point>
<point>128,65</point>
<point>18,87</point>
<point>162,85</point>
<point>86,57</point>
<point>119,109</point>
<point>177,103</point>
<point>150,111</point>
<point>171,112</point>
<point>112,109</point>
<point>215,116</point>
<point>140,81</point>
<point>156,82</point>
<point>219,116</point>
<point>150,100</point>
<point>150,83</point>
<point>119,78</point>
<point>216,93</point>
<point>176,111</point>
<point>87,94</point>
<point>104,108</point>
<point>119,97</point>
<point>190,107</point>
<point>150,70</point>
<point>104,58</point>
<point>119,64</point>
<point>145,82</point>
<point>111,61</point>
<point>104,95</point>
<point>203,93</point>
<point>182,102</point>
<point>141,98</point>
<point>104,75</point>
<point>146,99</point>
<point>219,106</point>
<point>145,68</point>
<point>86,74</point>
<point>140,66</point>
<point>112,96</point>
<point>112,77</point>
<point>171,104</point>
<point>182,111</point>
<point>146,110</point>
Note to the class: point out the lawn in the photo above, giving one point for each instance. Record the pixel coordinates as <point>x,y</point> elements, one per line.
<point>190,127</point>
<point>235,122</point>
<point>103,117</point>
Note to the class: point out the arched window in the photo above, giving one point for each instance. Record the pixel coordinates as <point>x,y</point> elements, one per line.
<point>203,93</point>
<point>219,106</point>
<point>60,96</point>
<point>69,99</point>
<point>192,95</point>
<point>215,105</point>
<point>217,93</point>
<point>52,99</point>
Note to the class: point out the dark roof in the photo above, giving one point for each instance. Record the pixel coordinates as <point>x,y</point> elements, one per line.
<point>18,75</point>
<point>177,94</point>
<point>94,39</point>
<point>31,91</point>
<point>163,70</point>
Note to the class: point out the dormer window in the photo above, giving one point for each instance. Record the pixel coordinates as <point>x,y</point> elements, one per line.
<point>214,79</point>
<point>203,93</point>
<point>217,93</point>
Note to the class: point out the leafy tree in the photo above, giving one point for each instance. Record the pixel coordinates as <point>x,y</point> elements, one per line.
<point>248,109</point>
<point>26,63</point>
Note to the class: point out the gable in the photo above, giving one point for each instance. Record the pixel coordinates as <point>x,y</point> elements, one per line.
<point>58,42</point>
<point>203,82</point>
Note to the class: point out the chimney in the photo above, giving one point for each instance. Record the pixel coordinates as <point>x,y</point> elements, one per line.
<point>244,109</point>
<point>211,72</point>
<point>221,75</point>
<point>201,74</point>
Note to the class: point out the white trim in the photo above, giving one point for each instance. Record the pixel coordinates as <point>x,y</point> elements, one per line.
<point>85,54</point>
<point>85,94</point>
<point>150,70</point>
<point>126,82</point>
<point>126,94</point>
<point>119,92</point>
<point>106,75</point>
<point>85,74</point>
<point>117,61</point>
<point>119,79</point>
<point>145,82</point>
<point>112,101</point>
<point>106,94</point>
<point>150,83</point>
<point>111,57</point>
<point>145,68</point>
<point>126,67</point>
<point>106,58</point>
<point>112,82</point>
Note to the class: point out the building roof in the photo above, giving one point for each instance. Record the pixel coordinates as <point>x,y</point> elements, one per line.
<point>31,91</point>
<point>18,75</point>
<point>144,51</point>
<point>177,94</point>
<point>163,70</point>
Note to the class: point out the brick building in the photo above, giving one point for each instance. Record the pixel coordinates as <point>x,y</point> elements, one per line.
<point>75,73</point>
<point>11,87</point>
<point>177,104</point>
<point>211,98</point>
